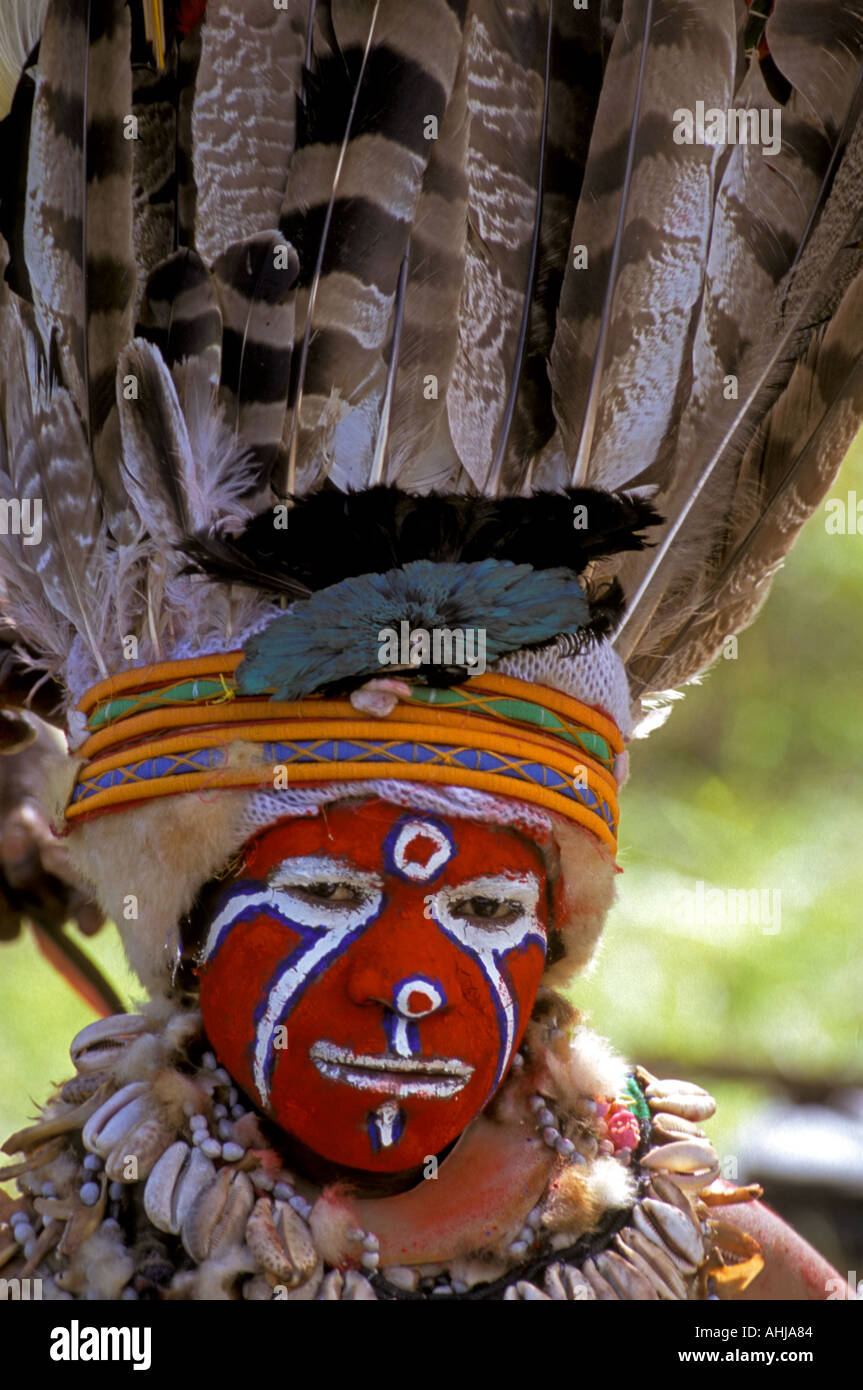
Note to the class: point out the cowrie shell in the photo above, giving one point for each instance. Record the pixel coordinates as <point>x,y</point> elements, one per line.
<point>115,1117</point>
<point>100,1044</point>
<point>681,1156</point>
<point>629,1281</point>
<point>173,1185</point>
<point>679,1231</point>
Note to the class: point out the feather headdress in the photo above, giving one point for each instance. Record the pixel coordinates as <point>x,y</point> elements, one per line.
<point>318,321</point>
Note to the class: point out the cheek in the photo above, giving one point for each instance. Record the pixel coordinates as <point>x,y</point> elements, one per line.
<point>234,989</point>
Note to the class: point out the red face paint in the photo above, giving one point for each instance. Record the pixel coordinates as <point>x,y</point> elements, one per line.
<point>369,977</point>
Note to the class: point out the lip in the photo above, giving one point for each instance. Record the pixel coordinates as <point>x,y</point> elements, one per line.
<point>437,1078</point>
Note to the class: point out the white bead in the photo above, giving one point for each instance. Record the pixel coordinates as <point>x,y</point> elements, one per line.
<point>233,1152</point>
<point>545,1117</point>
<point>212,1148</point>
<point>89,1194</point>
<point>219,1112</point>
<point>283,1191</point>
<point>92,1163</point>
<point>551,1135</point>
<point>565,1148</point>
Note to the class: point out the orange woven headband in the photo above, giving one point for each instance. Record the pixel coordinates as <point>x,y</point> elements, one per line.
<point>181,727</point>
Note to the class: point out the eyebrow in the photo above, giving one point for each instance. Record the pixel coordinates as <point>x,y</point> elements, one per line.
<point>310,867</point>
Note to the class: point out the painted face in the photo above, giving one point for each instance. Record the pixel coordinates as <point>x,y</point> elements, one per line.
<point>369,978</point>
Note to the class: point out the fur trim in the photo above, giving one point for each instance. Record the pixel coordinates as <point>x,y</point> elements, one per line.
<point>584,892</point>
<point>146,869</point>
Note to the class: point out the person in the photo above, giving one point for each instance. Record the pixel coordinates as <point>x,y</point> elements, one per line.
<point>348,683</point>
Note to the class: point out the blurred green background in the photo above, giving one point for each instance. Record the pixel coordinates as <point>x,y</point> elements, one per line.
<point>754,783</point>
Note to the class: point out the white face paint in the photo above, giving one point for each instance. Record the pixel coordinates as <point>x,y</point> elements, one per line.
<point>420,849</point>
<point>511,902</point>
<point>449,908</point>
<point>440,1077</point>
<point>328,901</point>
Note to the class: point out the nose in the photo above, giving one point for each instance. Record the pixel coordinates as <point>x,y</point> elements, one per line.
<point>403,965</point>
<point>417,997</point>
<point>411,997</point>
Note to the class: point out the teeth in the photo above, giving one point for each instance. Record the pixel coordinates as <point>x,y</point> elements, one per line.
<point>173,1185</point>
<point>682,1156</point>
<point>629,1281</point>
<point>115,1117</point>
<point>679,1231</point>
<point>432,1066</point>
<point>100,1044</point>
<point>217,1217</point>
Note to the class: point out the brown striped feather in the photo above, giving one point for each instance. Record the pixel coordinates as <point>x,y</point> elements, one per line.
<point>244,120</point>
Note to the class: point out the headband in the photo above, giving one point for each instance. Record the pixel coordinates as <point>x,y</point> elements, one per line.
<point>173,728</point>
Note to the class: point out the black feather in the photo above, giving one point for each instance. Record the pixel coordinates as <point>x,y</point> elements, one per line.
<point>335,535</point>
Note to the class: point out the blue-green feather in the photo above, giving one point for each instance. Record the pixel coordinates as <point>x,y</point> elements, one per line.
<point>335,635</point>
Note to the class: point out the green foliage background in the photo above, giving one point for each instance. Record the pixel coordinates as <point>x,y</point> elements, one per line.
<point>753,783</point>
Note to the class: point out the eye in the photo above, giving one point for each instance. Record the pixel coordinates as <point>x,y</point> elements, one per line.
<point>348,893</point>
<point>500,912</point>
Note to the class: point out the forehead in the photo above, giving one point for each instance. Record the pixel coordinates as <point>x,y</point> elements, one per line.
<point>414,846</point>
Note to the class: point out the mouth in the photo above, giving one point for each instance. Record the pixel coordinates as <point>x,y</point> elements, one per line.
<point>432,1077</point>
